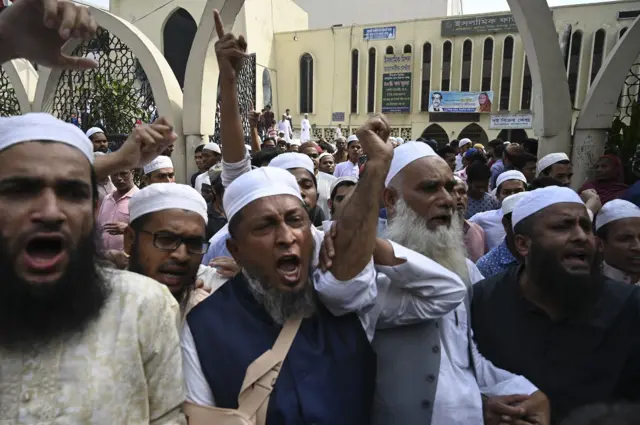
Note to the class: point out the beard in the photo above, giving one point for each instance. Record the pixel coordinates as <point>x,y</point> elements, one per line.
<point>444,245</point>
<point>572,291</point>
<point>282,306</point>
<point>37,314</point>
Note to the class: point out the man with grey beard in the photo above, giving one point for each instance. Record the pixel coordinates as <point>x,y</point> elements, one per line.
<point>432,372</point>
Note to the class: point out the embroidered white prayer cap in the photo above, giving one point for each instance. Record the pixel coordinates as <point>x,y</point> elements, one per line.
<point>94,130</point>
<point>166,196</point>
<point>41,127</point>
<point>295,142</point>
<point>256,184</point>
<point>548,160</point>
<point>509,203</point>
<point>213,147</point>
<point>615,210</point>
<point>341,180</point>
<point>404,155</point>
<point>290,160</point>
<point>158,163</point>
<point>352,138</point>
<point>464,142</point>
<point>540,199</point>
<point>510,175</point>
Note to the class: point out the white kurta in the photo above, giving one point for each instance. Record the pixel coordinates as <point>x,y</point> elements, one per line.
<point>415,291</point>
<point>125,368</point>
<point>285,127</point>
<point>305,131</point>
<point>324,191</point>
<point>491,223</point>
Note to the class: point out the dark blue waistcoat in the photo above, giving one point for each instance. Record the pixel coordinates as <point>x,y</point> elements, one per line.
<point>328,377</point>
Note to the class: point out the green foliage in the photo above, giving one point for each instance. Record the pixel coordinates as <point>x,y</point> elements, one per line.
<point>115,104</point>
<point>624,141</point>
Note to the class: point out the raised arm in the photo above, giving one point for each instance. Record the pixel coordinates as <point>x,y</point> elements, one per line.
<point>357,227</point>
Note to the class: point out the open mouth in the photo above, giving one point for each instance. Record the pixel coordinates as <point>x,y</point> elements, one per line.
<point>171,277</point>
<point>442,219</point>
<point>289,267</point>
<point>44,252</point>
<point>578,259</point>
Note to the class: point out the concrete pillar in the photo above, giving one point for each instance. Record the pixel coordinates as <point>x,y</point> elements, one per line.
<point>601,103</point>
<point>552,102</point>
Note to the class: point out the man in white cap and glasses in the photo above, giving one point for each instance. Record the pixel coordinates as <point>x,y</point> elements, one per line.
<point>350,167</point>
<point>77,340</point>
<point>160,170</point>
<point>505,255</point>
<point>463,146</point>
<point>618,231</point>
<point>98,139</point>
<point>557,166</point>
<point>166,239</point>
<point>432,372</point>
<point>555,316</point>
<point>211,155</point>
<point>328,373</point>
<point>508,183</point>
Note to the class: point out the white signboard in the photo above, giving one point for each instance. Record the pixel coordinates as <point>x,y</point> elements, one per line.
<point>509,122</point>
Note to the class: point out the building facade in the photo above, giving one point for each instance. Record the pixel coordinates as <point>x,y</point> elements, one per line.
<point>327,13</point>
<point>473,68</point>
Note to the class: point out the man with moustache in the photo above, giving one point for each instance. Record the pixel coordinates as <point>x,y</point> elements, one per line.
<point>473,235</point>
<point>341,154</point>
<point>98,139</point>
<point>329,371</point>
<point>160,170</point>
<point>79,343</point>
<point>211,155</point>
<point>350,167</point>
<point>555,318</point>
<point>432,372</point>
<point>166,239</point>
<point>557,166</point>
<point>618,231</point>
<point>113,215</point>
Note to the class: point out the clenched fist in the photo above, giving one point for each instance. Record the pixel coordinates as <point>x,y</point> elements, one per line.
<point>374,138</point>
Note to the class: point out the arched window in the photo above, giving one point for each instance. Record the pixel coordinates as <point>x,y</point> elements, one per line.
<point>371,82</point>
<point>178,34</point>
<point>355,66</point>
<point>267,93</point>
<point>507,70</point>
<point>445,84</point>
<point>598,53</point>
<point>527,86</point>
<point>487,64</point>
<point>465,75</point>
<point>389,50</point>
<point>574,64</point>
<point>565,43</point>
<point>437,133</point>
<point>426,77</point>
<point>306,84</point>
<point>407,48</point>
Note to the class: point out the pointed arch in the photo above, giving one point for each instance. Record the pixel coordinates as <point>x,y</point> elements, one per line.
<point>267,88</point>
<point>371,81</point>
<point>597,53</point>
<point>474,132</point>
<point>513,136</point>
<point>426,76</point>
<point>447,52</point>
<point>573,70</point>
<point>355,74</point>
<point>466,65</point>
<point>437,133</point>
<point>178,34</point>
<point>507,73</point>
<point>487,63</point>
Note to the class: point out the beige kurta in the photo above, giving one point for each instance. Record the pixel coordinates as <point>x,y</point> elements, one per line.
<point>126,368</point>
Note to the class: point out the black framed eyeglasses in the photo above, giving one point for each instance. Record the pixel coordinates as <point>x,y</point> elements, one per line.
<point>167,241</point>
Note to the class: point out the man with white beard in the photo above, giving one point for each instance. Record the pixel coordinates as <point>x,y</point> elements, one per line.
<point>441,376</point>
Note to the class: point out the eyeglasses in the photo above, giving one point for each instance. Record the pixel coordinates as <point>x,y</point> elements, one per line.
<point>170,242</point>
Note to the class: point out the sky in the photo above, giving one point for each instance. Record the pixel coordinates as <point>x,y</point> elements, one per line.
<point>485,6</point>
<point>469,6</point>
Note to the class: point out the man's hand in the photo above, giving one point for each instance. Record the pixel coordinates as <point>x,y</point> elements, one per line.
<point>254,119</point>
<point>115,228</point>
<point>503,410</point>
<point>146,142</point>
<point>119,258</point>
<point>537,408</point>
<point>374,138</point>
<point>230,51</point>
<point>36,30</point>
<point>327,251</point>
<point>226,266</point>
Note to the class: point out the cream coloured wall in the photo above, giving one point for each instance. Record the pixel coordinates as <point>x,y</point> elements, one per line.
<point>324,14</point>
<point>331,49</point>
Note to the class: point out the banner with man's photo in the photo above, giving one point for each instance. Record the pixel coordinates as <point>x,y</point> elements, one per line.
<point>461,102</point>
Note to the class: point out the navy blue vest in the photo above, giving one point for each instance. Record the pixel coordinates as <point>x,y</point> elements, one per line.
<point>328,377</point>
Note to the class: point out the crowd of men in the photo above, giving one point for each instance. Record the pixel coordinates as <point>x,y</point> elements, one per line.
<point>384,282</point>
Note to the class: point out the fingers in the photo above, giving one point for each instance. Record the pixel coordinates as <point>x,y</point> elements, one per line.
<point>67,13</point>
<point>50,13</point>
<point>242,43</point>
<point>218,24</point>
<point>75,62</point>
<point>199,283</point>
